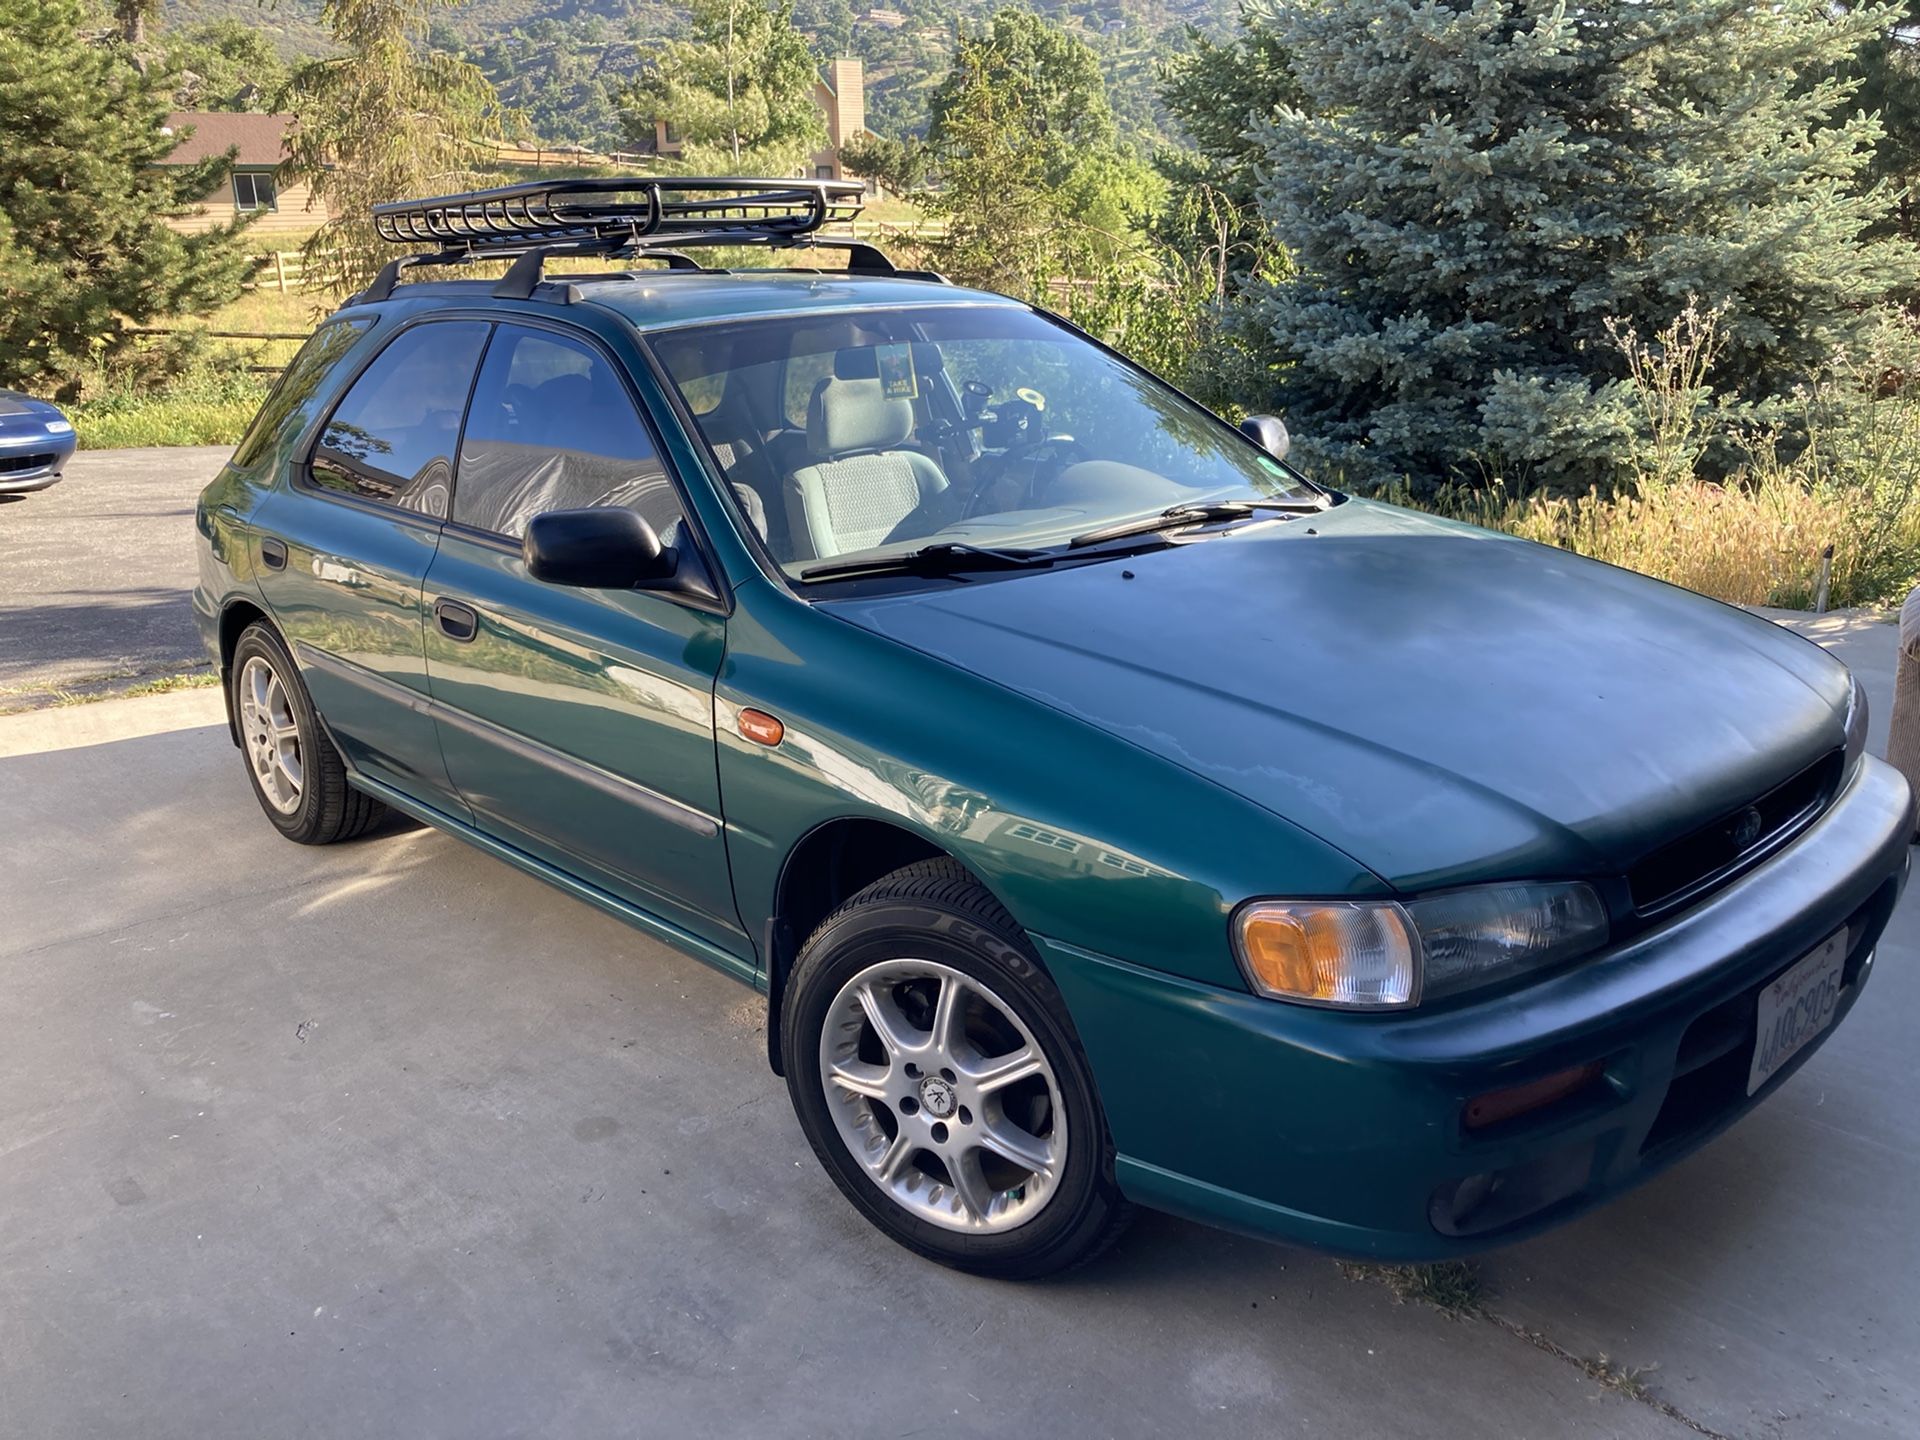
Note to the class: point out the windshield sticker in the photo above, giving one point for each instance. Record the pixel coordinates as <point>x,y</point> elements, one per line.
<point>897,380</point>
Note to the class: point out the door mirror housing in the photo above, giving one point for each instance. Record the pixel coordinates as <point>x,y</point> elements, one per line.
<point>605,548</point>
<point>1269,432</point>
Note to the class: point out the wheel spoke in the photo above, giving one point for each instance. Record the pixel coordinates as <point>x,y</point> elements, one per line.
<point>894,1158</point>
<point>949,1011</point>
<point>970,1183</point>
<point>1010,1142</point>
<point>1000,1071</point>
<point>867,1080</point>
<point>283,731</point>
<point>888,1023</point>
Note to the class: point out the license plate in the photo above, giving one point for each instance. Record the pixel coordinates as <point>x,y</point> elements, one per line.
<point>1795,1008</point>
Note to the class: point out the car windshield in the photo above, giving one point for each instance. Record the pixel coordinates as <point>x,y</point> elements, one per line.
<point>875,433</point>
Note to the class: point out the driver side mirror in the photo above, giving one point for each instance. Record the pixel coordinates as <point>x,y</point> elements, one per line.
<point>1269,432</point>
<point>605,548</point>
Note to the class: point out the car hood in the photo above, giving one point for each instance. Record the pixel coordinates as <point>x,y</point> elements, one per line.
<point>1442,703</point>
<point>23,414</point>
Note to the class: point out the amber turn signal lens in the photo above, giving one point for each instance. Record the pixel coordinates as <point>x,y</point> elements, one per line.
<point>1334,952</point>
<point>760,727</point>
<point>1516,1100</point>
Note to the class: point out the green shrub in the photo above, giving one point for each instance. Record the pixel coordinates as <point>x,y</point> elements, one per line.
<point>208,402</point>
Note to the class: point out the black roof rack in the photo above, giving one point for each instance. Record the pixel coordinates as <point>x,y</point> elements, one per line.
<point>656,216</point>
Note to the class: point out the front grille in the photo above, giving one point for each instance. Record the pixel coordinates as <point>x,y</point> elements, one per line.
<point>1720,849</point>
<point>13,464</point>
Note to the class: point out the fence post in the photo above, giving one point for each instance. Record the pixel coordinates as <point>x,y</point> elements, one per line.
<point>1826,579</point>
<point>280,269</point>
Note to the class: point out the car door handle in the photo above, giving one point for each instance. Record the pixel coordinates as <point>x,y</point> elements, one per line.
<point>456,621</point>
<point>273,553</point>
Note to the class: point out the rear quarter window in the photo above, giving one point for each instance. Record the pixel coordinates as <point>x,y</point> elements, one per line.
<point>298,383</point>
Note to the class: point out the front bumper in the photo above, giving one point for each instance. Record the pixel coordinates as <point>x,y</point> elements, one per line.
<point>1344,1131</point>
<point>32,462</point>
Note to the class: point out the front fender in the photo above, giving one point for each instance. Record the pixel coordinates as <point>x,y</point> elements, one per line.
<point>1083,837</point>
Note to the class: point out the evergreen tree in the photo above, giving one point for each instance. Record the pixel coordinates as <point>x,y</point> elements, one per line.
<point>382,121</point>
<point>1889,71</point>
<point>226,65</point>
<point>738,92</point>
<point>1472,188</point>
<point>85,251</point>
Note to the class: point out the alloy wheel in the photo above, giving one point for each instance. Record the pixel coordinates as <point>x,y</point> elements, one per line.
<point>270,732</point>
<point>942,1093</point>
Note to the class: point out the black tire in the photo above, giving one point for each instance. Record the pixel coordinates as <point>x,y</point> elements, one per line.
<point>327,809</point>
<point>935,911</point>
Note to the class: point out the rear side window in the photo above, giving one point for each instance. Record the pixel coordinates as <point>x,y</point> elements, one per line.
<point>553,428</point>
<point>294,392</point>
<point>391,437</point>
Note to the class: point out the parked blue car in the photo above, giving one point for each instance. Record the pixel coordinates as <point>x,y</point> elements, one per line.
<point>36,441</point>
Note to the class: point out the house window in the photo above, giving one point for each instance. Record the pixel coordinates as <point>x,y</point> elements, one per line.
<point>823,172</point>
<point>253,190</point>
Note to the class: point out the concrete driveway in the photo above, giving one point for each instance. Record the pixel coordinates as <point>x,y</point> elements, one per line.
<point>390,1140</point>
<point>95,574</point>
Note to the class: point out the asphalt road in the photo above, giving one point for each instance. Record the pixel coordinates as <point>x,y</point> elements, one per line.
<point>389,1139</point>
<point>95,572</point>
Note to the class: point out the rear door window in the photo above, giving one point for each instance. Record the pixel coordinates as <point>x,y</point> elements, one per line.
<point>552,427</point>
<point>391,438</point>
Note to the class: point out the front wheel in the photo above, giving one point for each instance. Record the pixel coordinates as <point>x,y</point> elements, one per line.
<point>936,1074</point>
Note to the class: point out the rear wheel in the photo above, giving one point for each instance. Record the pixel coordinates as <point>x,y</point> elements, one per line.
<point>297,775</point>
<point>936,1074</point>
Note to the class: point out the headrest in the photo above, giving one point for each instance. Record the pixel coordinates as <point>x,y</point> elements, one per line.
<point>848,415</point>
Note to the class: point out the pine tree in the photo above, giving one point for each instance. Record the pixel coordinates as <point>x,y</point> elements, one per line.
<point>85,252</point>
<point>1472,188</point>
<point>384,120</point>
<point>738,92</point>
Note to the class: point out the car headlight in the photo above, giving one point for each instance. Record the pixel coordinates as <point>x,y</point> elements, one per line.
<point>1390,954</point>
<point>1856,720</point>
<point>59,427</point>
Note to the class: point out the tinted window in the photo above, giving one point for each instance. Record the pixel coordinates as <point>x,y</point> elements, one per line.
<point>552,428</point>
<point>391,439</point>
<point>298,381</point>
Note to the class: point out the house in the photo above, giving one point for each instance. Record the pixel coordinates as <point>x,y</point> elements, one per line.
<point>841,93</point>
<point>256,185</point>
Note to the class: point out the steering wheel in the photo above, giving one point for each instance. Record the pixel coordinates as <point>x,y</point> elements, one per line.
<point>1064,450</point>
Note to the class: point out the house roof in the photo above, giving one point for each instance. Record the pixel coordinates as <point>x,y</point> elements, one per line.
<point>260,139</point>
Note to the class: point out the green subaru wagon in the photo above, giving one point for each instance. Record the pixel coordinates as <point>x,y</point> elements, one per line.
<point>1110,813</point>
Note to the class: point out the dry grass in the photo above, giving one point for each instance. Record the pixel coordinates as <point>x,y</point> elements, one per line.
<point>1753,542</point>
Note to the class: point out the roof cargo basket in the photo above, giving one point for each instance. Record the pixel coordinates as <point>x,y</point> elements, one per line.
<point>659,216</point>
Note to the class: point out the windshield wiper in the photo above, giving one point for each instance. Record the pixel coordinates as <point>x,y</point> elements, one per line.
<point>1175,516</point>
<point>947,557</point>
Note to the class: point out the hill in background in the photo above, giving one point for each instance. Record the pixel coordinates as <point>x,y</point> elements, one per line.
<point>561,62</point>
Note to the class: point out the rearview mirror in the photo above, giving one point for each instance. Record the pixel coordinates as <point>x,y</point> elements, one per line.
<point>605,548</point>
<point>1269,432</point>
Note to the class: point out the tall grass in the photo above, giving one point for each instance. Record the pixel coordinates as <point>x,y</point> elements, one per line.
<point>1839,466</point>
<point>205,405</point>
